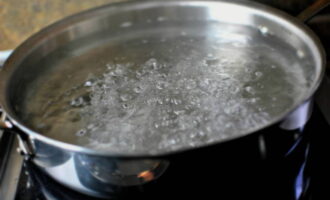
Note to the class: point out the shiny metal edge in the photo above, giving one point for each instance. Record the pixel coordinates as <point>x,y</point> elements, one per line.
<point>311,39</point>
<point>4,55</point>
<point>11,171</point>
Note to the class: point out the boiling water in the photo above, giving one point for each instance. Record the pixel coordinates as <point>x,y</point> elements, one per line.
<point>163,94</point>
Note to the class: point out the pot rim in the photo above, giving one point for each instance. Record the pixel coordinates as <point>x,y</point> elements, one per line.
<point>19,55</point>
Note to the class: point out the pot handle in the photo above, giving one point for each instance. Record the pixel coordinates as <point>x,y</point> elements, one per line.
<point>312,10</point>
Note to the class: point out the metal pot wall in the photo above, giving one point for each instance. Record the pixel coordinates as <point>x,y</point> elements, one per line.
<point>234,162</point>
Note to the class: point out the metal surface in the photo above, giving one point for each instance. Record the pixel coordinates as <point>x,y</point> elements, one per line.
<point>74,28</point>
<point>10,167</point>
<point>92,171</point>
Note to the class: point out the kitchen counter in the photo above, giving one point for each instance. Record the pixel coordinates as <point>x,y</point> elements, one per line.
<point>20,19</point>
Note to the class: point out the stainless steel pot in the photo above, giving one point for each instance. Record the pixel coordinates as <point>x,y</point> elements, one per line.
<point>102,173</point>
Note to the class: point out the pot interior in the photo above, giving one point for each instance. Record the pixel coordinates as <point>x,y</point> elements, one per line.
<point>155,77</point>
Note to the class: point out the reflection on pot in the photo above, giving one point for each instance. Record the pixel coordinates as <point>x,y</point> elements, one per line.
<point>119,172</point>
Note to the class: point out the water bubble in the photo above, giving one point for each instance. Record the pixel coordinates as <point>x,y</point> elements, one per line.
<point>162,76</point>
<point>197,135</point>
<point>126,24</point>
<point>165,123</point>
<point>190,84</point>
<point>228,110</point>
<point>92,127</point>
<point>125,105</point>
<point>248,70</point>
<point>125,97</point>
<point>258,74</point>
<point>110,66</point>
<point>174,101</point>
<point>139,74</point>
<point>138,89</point>
<point>204,83</point>
<point>161,18</point>
<point>81,132</point>
<point>264,30</point>
<point>250,89</point>
<point>177,101</point>
<point>229,125</point>
<point>208,129</point>
<point>172,141</point>
<point>160,101</point>
<point>151,101</point>
<point>118,71</point>
<point>193,100</point>
<point>77,102</point>
<point>179,112</point>
<point>183,33</point>
<point>161,85</point>
<point>152,62</point>
<point>88,84</point>
<point>167,99</point>
<point>300,53</point>
<point>195,122</point>
<point>254,100</point>
<point>260,109</point>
